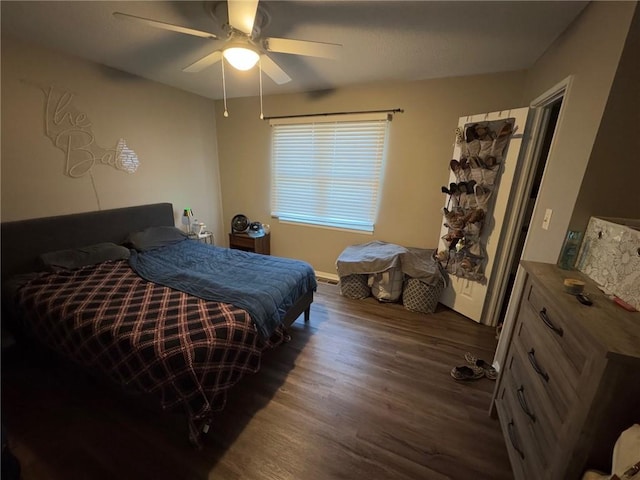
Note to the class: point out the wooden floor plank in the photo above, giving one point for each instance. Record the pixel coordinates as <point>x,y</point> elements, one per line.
<point>362,391</point>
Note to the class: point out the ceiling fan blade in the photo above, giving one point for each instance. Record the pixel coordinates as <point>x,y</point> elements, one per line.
<point>303,47</point>
<point>163,25</point>
<point>272,69</point>
<point>204,62</point>
<point>242,14</point>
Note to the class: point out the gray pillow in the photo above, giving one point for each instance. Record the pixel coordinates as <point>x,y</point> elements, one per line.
<point>80,257</point>
<point>155,237</point>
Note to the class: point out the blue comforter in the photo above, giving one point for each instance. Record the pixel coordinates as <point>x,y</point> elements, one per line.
<point>263,285</point>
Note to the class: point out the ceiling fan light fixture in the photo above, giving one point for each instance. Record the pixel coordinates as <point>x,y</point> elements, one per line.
<point>241,58</point>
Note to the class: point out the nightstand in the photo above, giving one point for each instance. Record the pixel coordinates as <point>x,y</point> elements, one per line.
<point>242,241</point>
<point>206,237</point>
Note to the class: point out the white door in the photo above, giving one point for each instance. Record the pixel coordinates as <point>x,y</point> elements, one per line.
<point>465,295</point>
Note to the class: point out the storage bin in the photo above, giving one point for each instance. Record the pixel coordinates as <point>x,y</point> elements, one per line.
<point>355,286</point>
<point>421,297</point>
<point>386,266</point>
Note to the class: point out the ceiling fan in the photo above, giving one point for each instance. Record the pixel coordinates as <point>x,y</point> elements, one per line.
<point>244,46</point>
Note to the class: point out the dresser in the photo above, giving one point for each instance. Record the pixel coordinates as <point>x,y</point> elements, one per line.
<point>571,380</point>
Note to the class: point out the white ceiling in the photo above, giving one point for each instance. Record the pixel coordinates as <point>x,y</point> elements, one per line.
<point>382,41</point>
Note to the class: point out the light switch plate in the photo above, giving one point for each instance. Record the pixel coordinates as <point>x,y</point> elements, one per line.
<point>547,219</point>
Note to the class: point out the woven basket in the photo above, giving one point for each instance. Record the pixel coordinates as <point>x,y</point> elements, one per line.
<point>421,297</point>
<point>355,286</point>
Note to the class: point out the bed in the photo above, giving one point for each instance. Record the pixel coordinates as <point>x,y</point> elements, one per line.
<point>186,343</point>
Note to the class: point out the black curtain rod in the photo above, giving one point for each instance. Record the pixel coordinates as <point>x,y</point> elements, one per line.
<point>395,110</point>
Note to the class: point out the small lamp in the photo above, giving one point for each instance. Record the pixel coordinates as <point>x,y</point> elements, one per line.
<point>187,215</point>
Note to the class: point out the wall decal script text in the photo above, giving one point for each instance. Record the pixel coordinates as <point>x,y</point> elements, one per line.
<point>70,130</point>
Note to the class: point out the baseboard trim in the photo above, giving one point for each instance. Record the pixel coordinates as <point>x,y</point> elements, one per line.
<point>327,277</point>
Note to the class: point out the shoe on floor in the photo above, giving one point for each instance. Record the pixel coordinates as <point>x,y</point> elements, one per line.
<point>465,373</point>
<point>487,369</point>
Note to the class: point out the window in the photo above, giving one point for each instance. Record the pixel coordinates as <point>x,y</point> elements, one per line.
<point>328,171</point>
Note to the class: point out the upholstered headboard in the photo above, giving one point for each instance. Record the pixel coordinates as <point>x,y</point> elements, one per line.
<point>24,240</point>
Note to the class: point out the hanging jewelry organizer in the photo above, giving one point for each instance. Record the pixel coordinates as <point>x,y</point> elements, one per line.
<point>470,199</point>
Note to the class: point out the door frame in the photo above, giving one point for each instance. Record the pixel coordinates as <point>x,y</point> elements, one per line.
<point>525,173</point>
<point>539,116</point>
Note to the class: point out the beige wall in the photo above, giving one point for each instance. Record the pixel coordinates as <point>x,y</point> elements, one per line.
<point>589,51</point>
<point>420,148</point>
<point>172,132</point>
<point>421,143</point>
<point>610,185</point>
<point>174,135</point>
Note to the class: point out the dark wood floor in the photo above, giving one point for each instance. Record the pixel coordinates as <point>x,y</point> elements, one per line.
<point>361,392</point>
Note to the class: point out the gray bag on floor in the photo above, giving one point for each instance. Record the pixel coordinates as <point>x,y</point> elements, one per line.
<point>387,286</point>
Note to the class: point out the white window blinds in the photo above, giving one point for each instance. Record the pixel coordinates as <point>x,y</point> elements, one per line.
<point>328,171</point>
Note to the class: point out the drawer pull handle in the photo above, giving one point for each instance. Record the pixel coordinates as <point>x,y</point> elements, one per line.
<point>547,321</point>
<point>536,367</point>
<point>523,404</point>
<point>513,441</point>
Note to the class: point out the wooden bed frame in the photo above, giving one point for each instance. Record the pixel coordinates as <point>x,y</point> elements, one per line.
<point>24,240</point>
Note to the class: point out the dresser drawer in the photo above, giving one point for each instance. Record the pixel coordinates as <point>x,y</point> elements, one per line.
<point>531,405</point>
<point>558,330</point>
<point>543,363</point>
<point>242,241</point>
<point>526,460</point>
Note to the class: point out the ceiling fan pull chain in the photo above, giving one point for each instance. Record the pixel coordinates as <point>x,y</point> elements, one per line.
<point>260,73</point>
<point>224,91</point>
